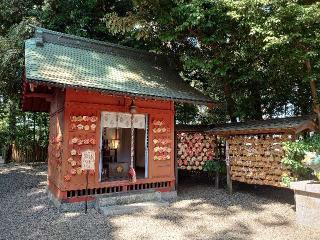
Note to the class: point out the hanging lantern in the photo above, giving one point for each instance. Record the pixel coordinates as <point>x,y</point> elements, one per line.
<point>133,108</point>
<point>115,141</point>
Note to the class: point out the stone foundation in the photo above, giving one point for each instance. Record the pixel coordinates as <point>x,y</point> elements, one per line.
<point>69,206</point>
<point>79,206</point>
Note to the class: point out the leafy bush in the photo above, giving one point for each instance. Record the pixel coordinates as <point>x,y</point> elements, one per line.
<point>215,166</point>
<point>294,154</point>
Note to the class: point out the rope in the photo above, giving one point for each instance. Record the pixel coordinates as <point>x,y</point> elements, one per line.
<point>132,172</point>
<point>132,141</point>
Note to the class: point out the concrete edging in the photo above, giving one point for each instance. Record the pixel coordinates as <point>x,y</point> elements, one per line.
<point>80,206</point>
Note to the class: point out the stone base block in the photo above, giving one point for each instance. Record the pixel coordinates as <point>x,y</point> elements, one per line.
<point>307,197</point>
<point>69,206</point>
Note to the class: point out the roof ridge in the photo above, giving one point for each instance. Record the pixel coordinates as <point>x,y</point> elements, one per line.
<point>55,37</point>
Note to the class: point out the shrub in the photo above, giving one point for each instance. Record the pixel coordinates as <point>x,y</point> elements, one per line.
<point>294,155</point>
<point>213,166</point>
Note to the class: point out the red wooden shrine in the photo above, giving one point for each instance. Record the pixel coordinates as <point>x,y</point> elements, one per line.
<point>69,103</point>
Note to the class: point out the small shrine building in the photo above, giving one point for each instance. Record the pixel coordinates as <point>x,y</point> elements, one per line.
<point>111,110</point>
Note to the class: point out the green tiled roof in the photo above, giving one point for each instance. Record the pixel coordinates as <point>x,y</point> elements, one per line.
<point>70,61</point>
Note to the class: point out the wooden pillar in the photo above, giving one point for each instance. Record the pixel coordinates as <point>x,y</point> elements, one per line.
<point>216,182</point>
<point>175,159</point>
<point>229,180</point>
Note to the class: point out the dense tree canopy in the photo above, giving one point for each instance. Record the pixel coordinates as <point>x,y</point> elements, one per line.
<point>259,58</point>
<point>82,18</point>
<point>251,54</point>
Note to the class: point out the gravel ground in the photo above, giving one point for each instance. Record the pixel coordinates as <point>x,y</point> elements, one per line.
<point>201,212</point>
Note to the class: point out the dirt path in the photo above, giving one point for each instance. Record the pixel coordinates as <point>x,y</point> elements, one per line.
<point>199,213</point>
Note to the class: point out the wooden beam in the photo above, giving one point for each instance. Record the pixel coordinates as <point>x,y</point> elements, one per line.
<point>32,86</point>
<point>307,125</point>
<point>254,131</point>
<point>46,96</point>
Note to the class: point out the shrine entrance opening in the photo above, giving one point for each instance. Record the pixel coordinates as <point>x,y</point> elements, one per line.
<point>116,146</point>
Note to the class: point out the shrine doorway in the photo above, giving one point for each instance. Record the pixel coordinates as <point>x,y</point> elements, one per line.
<point>116,146</point>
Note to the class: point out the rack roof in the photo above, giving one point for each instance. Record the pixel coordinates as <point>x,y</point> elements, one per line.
<point>292,125</point>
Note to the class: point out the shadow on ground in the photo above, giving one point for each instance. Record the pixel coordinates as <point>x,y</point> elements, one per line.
<point>26,212</point>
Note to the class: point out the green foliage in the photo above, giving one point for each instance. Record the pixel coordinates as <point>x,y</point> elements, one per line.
<point>186,113</point>
<point>24,129</point>
<point>250,54</point>
<point>295,153</point>
<point>82,18</point>
<point>286,180</point>
<point>213,166</point>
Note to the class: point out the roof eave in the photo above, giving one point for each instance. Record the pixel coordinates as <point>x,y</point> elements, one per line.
<point>112,92</point>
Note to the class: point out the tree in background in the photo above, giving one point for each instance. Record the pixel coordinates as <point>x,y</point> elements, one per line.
<point>82,18</point>
<point>185,113</point>
<point>291,39</point>
<point>14,28</point>
<point>253,55</point>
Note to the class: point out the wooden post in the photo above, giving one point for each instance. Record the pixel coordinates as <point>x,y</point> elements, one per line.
<point>229,180</point>
<point>175,159</point>
<point>86,203</point>
<point>217,180</point>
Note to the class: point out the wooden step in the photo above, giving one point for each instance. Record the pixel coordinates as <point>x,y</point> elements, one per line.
<point>132,208</point>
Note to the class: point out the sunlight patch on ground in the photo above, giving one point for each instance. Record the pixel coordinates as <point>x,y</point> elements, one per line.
<point>72,214</point>
<point>37,208</point>
<point>36,191</point>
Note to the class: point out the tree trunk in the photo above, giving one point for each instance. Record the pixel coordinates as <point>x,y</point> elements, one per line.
<point>34,138</point>
<point>313,85</point>
<point>316,107</point>
<point>12,123</point>
<point>229,100</point>
<point>256,102</point>
<point>303,100</point>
